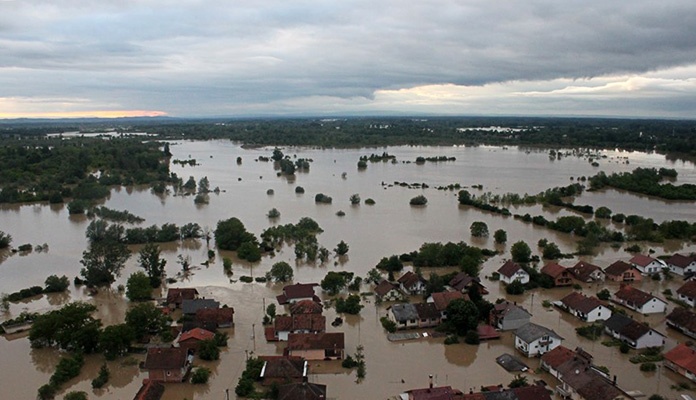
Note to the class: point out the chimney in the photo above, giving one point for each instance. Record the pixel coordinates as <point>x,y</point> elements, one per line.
<point>430,381</point>
<point>614,382</point>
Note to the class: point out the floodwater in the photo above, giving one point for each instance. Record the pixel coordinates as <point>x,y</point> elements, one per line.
<point>389,227</point>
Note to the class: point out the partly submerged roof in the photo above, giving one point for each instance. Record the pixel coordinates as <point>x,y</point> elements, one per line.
<point>530,332</point>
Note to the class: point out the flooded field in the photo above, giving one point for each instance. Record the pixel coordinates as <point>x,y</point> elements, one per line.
<point>391,226</point>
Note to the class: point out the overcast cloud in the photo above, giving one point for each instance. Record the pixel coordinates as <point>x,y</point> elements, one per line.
<point>261,57</point>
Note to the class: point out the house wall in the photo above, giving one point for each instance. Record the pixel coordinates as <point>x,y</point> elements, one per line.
<point>428,323</point>
<point>392,295</point>
<point>688,300</point>
<point>653,306</point>
<point>681,371</point>
<point>412,323</point>
<point>682,271</point>
<point>308,354</point>
<point>681,329</point>
<point>651,268</point>
<point>520,275</point>
<point>628,276</point>
<point>598,313</point>
<point>536,348</point>
<point>650,339</point>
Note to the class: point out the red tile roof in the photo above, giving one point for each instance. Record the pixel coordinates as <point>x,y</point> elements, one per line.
<point>150,390</point>
<point>633,295</point>
<point>302,391</point>
<point>582,271</point>
<point>283,367</point>
<point>309,322</point>
<point>553,270</point>
<point>409,279</point>
<point>178,295</point>
<point>385,287</point>
<point>558,356</point>
<point>219,316</point>
<point>681,261</point>
<point>618,268</point>
<point>316,341</point>
<point>534,392</point>
<point>298,291</point>
<point>196,334</point>
<point>442,299</point>
<point>683,356</point>
<point>165,358</point>
<point>580,302</point>
<point>509,268</point>
<point>306,307</point>
<point>434,393</point>
<point>688,289</point>
<point>641,260</point>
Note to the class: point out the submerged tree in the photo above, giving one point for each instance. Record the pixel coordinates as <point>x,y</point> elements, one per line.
<point>149,259</point>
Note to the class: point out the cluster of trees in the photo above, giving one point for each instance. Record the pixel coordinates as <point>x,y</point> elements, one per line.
<point>467,258</point>
<point>230,234</point>
<point>303,235</point>
<point>53,284</point>
<point>646,181</point>
<point>114,215</point>
<point>422,160</point>
<point>44,169</point>
<point>5,240</point>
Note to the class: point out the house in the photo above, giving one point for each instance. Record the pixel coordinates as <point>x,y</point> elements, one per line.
<point>428,315</point>
<point>639,301</point>
<point>411,283</point>
<point>150,390</point>
<point>387,291</point>
<point>682,265</point>
<point>683,320</point>
<point>170,364</point>
<point>176,296</point>
<point>462,282</point>
<point>442,300</point>
<point>302,391</point>
<point>298,292</point>
<point>284,325</point>
<point>533,392</point>
<point>190,307</point>
<point>687,293</point>
<point>553,360</point>
<point>190,340</point>
<point>586,308</point>
<point>404,314</point>
<point>585,272</point>
<point>622,272</point>
<point>215,317</point>
<point>580,379</point>
<point>646,264</point>
<point>682,360</point>
<point>508,316</point>
<point>559,274</point>
<point>532,339</point>
<point>316,346</point>
<point>306,307</point>
<point>632,332</point>
<point>511,271</point>
<point>432,393</point>
<point>279,370</point>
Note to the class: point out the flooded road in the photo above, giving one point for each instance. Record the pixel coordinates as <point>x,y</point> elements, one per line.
<point>391,226</point>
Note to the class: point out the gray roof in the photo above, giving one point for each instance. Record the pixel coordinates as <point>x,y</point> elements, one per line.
<point>191,306</point>
<point>530,332</point>
<point>516,312</point>
<point>617,322</point>
<point>404,312</point>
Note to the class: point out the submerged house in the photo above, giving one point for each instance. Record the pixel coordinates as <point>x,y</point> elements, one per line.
<point>176,296</point>
<point>316,346</point>
<point>306,307</point>
<point>646,264</point>
<point>683,320</point>
<point>532,339</point>
<point>682,360</point>
<point>190,339</point>
<point>586,308</point>
<point>687,293</point>
<point>214,318</point>
<point>412,283</point>
<point>298,292</point>
<point>511,271</point>
<point>404,314</point>
<point>639,301</point>
<point>508,316</point>
<point>585,272</point>
<point>170,364</point>
<point>622,272</point>
<point>682,265</point>
<point>463,282</point>
<point>284,325</point>
<point>559,274</point>
<point>387,291</point>
<point>302,391</point>
<point>442,300</point>
<point>280,370</point>
<point>632,332</point>
<point>190,307</point>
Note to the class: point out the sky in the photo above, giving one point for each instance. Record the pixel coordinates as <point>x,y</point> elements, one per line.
<point>186,58</point>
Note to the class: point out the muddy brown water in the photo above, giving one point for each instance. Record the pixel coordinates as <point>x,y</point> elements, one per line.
<point>391,226</point>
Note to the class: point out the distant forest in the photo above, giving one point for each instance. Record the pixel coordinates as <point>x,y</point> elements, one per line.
<point>677,137</point>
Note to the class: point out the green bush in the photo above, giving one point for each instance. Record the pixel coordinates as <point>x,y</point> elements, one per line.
<point>388,325</point>
<point>200,376</point>
<point>102,378</point>
<point>648,367</point>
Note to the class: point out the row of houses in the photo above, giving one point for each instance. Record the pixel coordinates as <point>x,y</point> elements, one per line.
<point>619,271</point>
<point>534,392</point>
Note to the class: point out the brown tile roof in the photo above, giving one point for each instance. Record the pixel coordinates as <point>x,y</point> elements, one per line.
<point>534,392</point>
<point>681,261</point>
<point>435,393</point>
<point>618,268</point>
<point>442,299</point>
<point>641,260</point>
<point>683,356</point>
<point>316,341</point>
<point>553,270</point>
<point>150,390</point>
<point>283,367</point>
<point>509,268</point>
<point>635,330</point>
<point>688,289</point>
<point>580,302</point>
<point>302,391</point>
<point>297,291</point>
<point>683,318</point>
<point>306,307</point>
<point>310,322</point>
<point>633,295</point>
<point>178,295</point>
<point>582,271</point>
<point>409,279</point>
<point>218,316</point>
<point>384,287</point>
<point>462,281</point>
<point>558,356</point>
<point>427,311</point>
<point>196,334</point>
<point>165,358</point>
